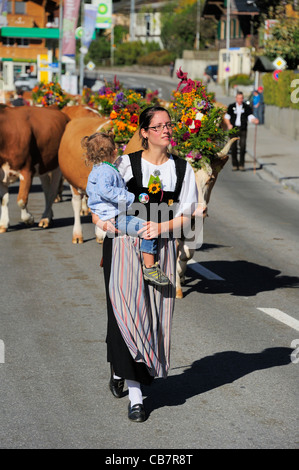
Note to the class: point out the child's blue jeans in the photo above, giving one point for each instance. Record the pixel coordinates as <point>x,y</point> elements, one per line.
<point>130,225</point>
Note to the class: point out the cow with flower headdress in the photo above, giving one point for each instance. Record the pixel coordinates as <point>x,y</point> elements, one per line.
<point>200,138</point>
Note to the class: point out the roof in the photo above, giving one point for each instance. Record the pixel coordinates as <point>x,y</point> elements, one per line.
<point>263,64</point>
<point>237,7</point>
<point>124,6</point>
<point>245,6</point>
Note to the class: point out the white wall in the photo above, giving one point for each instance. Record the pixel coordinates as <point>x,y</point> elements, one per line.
<point>240,62</point>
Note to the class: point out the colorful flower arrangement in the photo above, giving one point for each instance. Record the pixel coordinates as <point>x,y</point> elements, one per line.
<point>198,134</point>
<point>122,105</point>
<point>47,94</point>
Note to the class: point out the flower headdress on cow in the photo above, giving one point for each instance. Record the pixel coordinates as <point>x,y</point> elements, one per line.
<point>49,94</point>
<point>122,105</point>
<point>198,134</point>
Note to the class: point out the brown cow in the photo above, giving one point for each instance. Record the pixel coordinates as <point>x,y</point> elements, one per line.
<point>72,165</point>
<point>30,137</point>
<point>75,112</point>
<point>79,111</point>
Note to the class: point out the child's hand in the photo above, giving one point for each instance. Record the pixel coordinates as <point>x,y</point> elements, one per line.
<point>109,227</point>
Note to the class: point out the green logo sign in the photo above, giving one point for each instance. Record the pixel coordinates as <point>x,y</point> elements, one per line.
<point>103,8</point>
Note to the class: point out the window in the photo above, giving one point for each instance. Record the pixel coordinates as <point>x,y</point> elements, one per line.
<point>8,41</point>
<point>20,8</point>
<point>148,25</point>
<point>22,42</point>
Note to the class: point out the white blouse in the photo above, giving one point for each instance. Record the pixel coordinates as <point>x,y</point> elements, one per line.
<point>189,194</point>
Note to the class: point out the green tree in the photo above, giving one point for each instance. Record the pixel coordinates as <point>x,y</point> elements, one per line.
<point>178,31</point>
<point>284,41</point>
<point>98,50</point>
<point>266,6</point>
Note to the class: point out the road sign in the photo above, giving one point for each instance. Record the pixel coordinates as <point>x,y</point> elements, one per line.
<point>279,63</point>
<point>276,74</point>
<point>90,65</point>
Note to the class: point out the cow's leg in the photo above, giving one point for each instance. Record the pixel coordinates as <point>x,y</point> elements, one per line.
<point>84,208</point>
<point>76,203</point>
<point>77,229</point>
<point>185,253</point>
<point>50,185</point>
<point>22,199</point>
<point>58,197</point>
<point>4,217</point>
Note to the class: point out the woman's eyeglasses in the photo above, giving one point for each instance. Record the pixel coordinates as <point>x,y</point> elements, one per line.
<point>160,127</point>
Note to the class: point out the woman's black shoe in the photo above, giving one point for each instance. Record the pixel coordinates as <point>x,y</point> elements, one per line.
<point>136,413</point>
<point>116,386</point>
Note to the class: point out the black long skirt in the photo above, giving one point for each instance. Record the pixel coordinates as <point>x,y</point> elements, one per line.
<point>118,353</point>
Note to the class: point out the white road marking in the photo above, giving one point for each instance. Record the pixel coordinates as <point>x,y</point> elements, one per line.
<point>199,269</point>
<point>282,317</point>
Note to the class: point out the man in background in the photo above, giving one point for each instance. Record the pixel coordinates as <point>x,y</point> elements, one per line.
<point>19,101</point>
<point>237,116</point>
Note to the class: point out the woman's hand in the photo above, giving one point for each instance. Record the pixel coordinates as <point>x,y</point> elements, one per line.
<point>150,230</point>
<point>200,211</point>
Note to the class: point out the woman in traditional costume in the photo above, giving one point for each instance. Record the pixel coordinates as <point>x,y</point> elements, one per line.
<point>140,314</point>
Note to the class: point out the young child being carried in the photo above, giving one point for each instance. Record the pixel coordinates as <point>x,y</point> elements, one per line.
<point>107,192</point>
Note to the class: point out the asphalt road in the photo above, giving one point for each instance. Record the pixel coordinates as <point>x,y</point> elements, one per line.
<point>233,381</point>
<point>164,84</point>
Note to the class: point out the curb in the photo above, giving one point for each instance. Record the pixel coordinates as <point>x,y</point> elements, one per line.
<point>276,175</point>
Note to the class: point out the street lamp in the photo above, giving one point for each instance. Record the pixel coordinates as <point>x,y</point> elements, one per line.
<point>198,26</point>
<point>227,46</point>
<point>60,42</point>
<point>132,21</point>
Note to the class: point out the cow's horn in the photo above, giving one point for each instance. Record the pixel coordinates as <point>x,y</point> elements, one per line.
<point>226,148</point>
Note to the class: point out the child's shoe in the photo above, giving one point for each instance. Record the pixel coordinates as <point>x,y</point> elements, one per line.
<point>155,275</point>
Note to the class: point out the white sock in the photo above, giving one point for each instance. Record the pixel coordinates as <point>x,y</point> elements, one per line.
<point>116,377</point>
<point>135,395</point>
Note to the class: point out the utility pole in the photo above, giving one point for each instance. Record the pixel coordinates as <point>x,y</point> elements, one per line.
<point>112,38</point>
<point>132,21</point>
<point>82,52</point>
<point>197,42</point>
<point>227,46</point>
<point>60,41</point>
<point>112,42</point>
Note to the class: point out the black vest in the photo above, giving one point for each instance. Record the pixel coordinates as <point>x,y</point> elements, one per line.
<point>231,110</point>
<point>160,206</point>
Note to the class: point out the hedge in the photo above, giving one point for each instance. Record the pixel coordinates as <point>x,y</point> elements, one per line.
<point>157,58</point>
<point>240,79</point>
<point>280,92</point>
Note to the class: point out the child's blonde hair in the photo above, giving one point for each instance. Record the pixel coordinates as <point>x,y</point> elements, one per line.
<point>99,147</point>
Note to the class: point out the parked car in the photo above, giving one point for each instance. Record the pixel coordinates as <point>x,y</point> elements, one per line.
<point>212,72</point>
<point>25,82</point>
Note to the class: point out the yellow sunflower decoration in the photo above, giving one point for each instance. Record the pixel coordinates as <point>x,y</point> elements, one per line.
<point>154,188</point>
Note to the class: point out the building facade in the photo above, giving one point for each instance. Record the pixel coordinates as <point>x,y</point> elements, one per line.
<point>32,30</point>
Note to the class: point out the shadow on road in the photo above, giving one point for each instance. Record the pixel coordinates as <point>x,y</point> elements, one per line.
<point>209,373</point>
<point>245,279</point>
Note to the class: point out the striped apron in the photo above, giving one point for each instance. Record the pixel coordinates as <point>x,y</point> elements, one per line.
<point>143,312</point>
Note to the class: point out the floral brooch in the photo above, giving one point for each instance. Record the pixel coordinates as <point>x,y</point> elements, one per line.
<point>154,183</point>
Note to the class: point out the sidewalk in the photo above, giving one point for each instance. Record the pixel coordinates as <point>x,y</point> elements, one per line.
<point>275,153</point>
